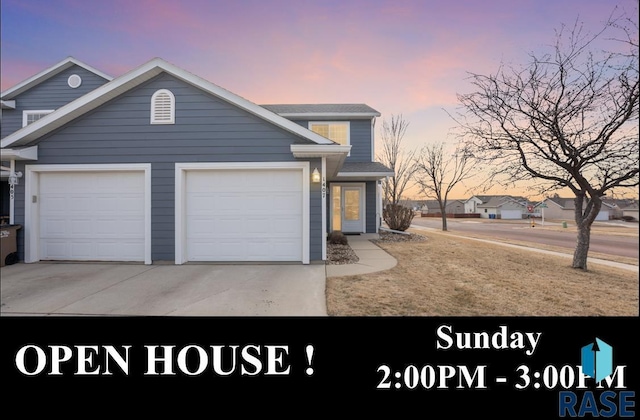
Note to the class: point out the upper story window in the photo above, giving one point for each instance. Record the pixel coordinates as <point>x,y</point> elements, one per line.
<point>163,107</point>
<point>335,131</point>
<point>29,117</point>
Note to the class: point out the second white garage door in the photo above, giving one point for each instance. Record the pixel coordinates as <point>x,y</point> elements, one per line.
<point>244,215</point>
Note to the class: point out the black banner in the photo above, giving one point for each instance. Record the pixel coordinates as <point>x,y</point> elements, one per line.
<point>431,367</point>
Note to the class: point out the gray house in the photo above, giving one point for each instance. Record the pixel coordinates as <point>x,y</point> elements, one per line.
<point>162,165</point>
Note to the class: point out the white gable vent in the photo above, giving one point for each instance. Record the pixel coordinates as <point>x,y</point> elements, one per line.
<point>163,105</point>
<point>74,81</point>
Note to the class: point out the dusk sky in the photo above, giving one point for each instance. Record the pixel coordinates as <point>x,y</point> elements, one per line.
<point>399,57</point>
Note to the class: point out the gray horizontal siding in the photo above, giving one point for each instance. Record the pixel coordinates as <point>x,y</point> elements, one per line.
<point>219,132</point>
<point>53,93</point>
<point>359,136</point>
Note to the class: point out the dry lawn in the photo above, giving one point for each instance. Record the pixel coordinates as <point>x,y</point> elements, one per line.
<point>452,276</point>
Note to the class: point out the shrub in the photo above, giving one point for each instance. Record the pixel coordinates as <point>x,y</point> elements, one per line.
<point>397,217</point>
<point>337,238</point>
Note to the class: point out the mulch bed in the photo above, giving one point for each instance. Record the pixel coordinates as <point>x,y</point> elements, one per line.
<point>344,254</point>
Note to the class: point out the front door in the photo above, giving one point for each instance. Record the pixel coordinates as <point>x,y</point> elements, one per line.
<point>348,208</point>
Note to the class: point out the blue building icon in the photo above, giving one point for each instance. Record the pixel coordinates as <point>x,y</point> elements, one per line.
<point>597,360</point>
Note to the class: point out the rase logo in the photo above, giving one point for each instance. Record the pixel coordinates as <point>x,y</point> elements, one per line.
<point>596,363</point>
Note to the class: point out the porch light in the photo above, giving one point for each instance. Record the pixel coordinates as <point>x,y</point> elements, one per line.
<point>14,178</point>
<point>315,176</point>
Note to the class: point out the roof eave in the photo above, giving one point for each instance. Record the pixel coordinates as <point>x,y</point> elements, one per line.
<point>47,73</point>
<point>135,77</point>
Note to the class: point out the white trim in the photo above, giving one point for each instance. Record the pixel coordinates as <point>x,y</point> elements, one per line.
<point>27,112</point>
<point>28,153</point>
<point>31,211</point>
<point>50,72</point>
<point>373,139</point>
<point>180,197</point>
<point>347,123</point>
<point>134,78</point>
<point>324,191</point>
<point>363,201</point>
<point>12,195</point>
<point>365,174</point>
<point>312,150</point>
<point>172,105</point>
<point>8,104</point>
<point>333,115</point>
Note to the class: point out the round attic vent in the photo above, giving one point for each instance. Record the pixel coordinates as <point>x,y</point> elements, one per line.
<point>74,81</point>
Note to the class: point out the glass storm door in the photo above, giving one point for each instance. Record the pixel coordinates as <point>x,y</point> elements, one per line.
<point>347,208</point>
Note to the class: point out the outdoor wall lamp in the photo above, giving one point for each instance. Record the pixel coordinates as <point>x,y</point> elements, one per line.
<point>14,178</point>
<point>315,176</point>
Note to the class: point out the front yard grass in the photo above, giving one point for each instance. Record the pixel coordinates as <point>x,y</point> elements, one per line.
<point>447,275</point>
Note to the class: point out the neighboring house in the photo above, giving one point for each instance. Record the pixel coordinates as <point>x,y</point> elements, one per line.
<point>630,209</point>
<point>497,206</point>
<point>162,165</point>
<point>433,207</point>
<point>561,208</point>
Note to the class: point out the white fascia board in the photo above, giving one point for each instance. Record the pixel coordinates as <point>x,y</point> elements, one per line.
<point>342,115</point>
<point>135,77</point>
<point>365,174</point>
<point>29,153</point>
<point>8,104</point>
<point>51,71</point>
<point>312,150</point>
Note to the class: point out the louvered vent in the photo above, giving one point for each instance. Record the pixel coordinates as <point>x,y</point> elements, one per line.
<point>162,107</point>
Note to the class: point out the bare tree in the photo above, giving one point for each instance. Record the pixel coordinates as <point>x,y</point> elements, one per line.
<point>438,173</point>
<point>395,157</point>
<point>567,119</point>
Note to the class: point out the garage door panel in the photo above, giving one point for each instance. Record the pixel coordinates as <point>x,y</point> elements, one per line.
<point>244,215</point>
<point>92,216</point>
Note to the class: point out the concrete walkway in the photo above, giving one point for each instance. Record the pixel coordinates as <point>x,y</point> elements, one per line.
<point>372,258</point>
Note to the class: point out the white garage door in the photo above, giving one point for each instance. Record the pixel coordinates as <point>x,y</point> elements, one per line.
<point>511,214</point>
<point>92,216</point>
<point>244,215</point>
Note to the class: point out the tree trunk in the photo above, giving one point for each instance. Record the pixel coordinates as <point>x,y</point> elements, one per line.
<point>444,217</point>
<point>582,247</point>
<point>584,220</point>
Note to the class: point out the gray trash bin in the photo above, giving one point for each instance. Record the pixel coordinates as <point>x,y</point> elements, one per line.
<point>8,244</point>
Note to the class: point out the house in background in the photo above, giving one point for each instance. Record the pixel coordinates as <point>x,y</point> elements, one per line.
<point>432,207</point>
<point>630,209</point>
<point>162,165</point>
<point>497,206</point>
<point>561,208</point>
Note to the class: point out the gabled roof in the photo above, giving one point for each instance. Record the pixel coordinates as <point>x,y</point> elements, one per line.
<point>27,84</point>
<point>323,110</point>
<point>134,78</point>
<point>498,200</point>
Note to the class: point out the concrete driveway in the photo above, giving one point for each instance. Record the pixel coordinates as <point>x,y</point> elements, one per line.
<point>163,290</point>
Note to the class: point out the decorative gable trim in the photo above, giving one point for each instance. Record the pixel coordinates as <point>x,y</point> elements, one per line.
<point>128,81</point>
<point>48,73</point>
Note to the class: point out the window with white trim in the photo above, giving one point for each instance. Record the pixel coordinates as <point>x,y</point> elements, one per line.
<point>163,107</point>
<point>32,116</point>
<point>335,131</point>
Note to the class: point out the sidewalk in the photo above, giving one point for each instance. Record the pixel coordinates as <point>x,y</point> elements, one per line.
<point>372,258</point>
